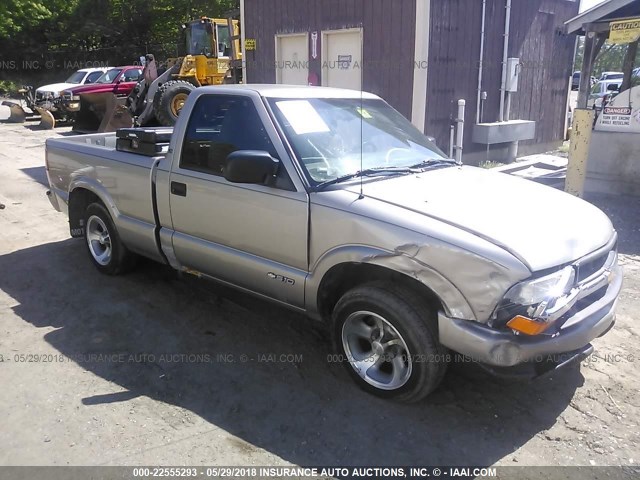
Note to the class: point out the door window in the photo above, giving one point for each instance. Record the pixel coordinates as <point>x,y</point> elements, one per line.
<point>93,76</point>
<point>132,75</point>
<point>220,125</point>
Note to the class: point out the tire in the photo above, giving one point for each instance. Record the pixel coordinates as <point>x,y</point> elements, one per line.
<point>106,250</point>
<point>406,370</point>
<point>169,100</point>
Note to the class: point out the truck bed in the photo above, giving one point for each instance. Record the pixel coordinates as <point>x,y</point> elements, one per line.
<point>109,141</point>
<point>120,179</point>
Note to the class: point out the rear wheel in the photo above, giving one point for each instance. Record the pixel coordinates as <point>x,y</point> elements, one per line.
<point>106,250</point>
<point>169,100</point>
<point>388,341</point>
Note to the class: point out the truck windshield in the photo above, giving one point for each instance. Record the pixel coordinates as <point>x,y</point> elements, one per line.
<point>332,136</point>
<point>109,76</point>
<point>76,77</point>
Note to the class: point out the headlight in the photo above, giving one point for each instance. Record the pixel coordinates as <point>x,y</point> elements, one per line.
<point>549,287</point>
<point>525,304</point>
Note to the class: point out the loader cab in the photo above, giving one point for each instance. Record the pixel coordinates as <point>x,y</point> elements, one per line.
<point>200,37</point>
<point>208,37</point>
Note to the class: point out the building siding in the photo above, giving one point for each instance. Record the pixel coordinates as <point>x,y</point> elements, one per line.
<point>546,55</point>
<point>454,50</point>
<point>388,37</point>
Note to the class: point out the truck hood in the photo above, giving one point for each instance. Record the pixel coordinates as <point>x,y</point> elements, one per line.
<point>56,88</point>
<point>541,226</point>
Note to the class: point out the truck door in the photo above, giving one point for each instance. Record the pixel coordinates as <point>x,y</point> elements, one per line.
<point>252,236</point>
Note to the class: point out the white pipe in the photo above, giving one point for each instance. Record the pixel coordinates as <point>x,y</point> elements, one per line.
<point>460,132</point>
<point>242,41</point>
<point>505,57</point>
<point>481,64</point>
<point>420,67</point>
<point>452,141</point>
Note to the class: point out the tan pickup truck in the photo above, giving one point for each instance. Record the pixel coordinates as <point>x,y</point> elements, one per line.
<point>331,203</point>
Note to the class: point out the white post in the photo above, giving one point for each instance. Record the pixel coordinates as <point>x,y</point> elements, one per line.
<point>460,132</point>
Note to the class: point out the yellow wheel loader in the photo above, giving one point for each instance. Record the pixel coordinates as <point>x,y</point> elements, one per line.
<point>212,58</point>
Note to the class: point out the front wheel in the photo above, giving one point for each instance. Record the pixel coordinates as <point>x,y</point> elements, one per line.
<point>388,341</point>
<point>106,250</point>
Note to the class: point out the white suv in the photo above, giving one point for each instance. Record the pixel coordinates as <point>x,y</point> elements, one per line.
<point>48,93</point>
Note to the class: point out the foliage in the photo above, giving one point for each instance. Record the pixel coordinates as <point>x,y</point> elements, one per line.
<point>609,59</point>
<point>8,88</point>
<point>69,34</point>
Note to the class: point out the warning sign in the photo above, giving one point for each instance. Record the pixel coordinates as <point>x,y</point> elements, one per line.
<point>617,110</point>
<point>615,120</point>
<point>622,114</point>
<point>625,31</point>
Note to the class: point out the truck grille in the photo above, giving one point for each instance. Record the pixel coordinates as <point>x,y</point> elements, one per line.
<point>590,267</point>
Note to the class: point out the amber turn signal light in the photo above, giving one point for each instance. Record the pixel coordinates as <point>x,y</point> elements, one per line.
<point>526,325</point>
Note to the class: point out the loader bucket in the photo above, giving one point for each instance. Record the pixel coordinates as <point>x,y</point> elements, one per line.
<point>101,112</point>
<point>16,112</point>
<point>47,121</point>
<point>92,109</point>
<point>116,115</point>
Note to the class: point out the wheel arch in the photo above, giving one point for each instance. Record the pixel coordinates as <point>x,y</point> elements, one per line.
<point>345,276</point>
<point>327,285</point>
<point>82,194</point>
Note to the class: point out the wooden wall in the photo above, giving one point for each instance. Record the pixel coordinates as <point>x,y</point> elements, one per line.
<point>388,32</point>
<point>389,28</point>
<point>536,38</point>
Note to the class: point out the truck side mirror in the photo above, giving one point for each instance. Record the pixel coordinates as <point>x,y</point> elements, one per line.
<point>250,166</point>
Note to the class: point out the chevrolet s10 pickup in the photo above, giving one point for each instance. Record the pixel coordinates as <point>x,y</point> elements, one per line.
<point>330,202</point>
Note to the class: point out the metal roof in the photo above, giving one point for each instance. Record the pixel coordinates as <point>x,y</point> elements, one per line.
<point>293,91</point>
<point>605,12</point>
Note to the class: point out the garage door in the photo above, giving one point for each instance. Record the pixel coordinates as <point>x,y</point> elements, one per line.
<point>292,59</point>
<point>342,58</point>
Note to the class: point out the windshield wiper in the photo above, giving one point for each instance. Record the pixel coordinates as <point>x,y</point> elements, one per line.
<point>369,172</point>
<point>435,162</point>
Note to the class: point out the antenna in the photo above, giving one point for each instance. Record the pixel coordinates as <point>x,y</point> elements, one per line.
<point>361,111</point>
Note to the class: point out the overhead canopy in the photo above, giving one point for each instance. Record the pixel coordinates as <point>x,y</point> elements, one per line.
<point>603,13</point>
<point>598,24</point>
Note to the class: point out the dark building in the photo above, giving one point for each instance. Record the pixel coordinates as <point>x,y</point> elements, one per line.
<point>424,55</point>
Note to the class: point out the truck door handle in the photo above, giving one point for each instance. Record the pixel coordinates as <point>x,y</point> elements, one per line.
<point>178,188</point>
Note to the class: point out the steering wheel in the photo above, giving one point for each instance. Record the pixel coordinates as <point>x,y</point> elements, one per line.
<point>311,160</point>
<point>387,157</point>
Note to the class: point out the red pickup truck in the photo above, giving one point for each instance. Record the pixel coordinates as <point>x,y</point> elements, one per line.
<point>86,104</point>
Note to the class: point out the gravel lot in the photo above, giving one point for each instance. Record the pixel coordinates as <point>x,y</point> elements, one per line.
<point>111,380</point>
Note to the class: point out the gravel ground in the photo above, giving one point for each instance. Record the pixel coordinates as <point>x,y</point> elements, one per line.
<point>112,382</point>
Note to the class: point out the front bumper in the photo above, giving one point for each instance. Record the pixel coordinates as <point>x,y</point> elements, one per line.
<point>503,348</point>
